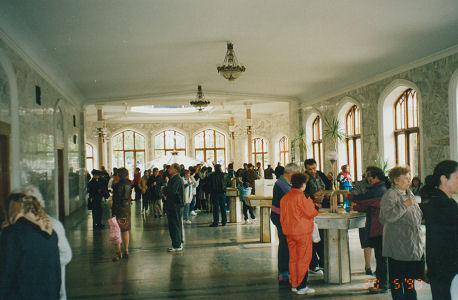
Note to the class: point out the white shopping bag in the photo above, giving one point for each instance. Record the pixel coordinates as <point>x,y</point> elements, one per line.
<point>316,234</point>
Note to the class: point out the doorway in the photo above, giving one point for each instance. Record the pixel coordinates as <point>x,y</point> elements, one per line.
<point>60,181</point>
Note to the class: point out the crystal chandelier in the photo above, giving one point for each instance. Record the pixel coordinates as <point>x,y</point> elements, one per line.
<point>230,69</point>
<point>101,131</point>
<point>200,103</point>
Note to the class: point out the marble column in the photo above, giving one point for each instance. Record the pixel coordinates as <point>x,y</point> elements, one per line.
<point>294,129</point>
<point>232,136</point>
<point>249,132</point>
<point>100,139</point>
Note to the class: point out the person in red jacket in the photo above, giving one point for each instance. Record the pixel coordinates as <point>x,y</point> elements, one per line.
<point>296,217</point>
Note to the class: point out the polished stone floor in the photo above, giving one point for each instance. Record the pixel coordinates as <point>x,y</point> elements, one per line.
<point>217,263</point>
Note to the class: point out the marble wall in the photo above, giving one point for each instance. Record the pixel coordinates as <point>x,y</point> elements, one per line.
<point>4,97</point>
<point>431,81</point>
<point>40,131</point>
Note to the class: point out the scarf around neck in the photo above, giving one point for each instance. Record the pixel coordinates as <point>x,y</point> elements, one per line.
<point>30,209</point>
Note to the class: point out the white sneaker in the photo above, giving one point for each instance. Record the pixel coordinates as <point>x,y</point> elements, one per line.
<point>175,249</point>
<point>305,291</point>
<point>187,222</point>
<point>316,271</point>
<point>293,289</point>
<point>247,222</point>
<point>193,213</point>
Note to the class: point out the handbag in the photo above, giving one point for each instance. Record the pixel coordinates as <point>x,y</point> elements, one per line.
<point>316,234</point>
<point>115,231</point>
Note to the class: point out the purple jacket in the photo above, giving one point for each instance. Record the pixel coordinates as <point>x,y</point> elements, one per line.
<point>369,202</point>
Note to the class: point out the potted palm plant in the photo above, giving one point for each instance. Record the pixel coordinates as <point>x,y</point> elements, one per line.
<point>333,133</point>
<point>300,140</point>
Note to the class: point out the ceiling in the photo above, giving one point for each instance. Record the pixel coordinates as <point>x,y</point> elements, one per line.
<point>157,52</point>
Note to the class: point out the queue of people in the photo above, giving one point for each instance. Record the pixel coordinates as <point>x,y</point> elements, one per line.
<point>392,229</point>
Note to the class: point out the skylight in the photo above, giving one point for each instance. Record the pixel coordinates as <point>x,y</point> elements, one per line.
<point>166,109</point>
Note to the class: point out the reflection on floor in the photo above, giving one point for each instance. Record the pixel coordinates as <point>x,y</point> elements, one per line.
<point>218,263</point>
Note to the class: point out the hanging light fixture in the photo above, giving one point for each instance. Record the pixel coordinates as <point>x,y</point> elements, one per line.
<point>230,69</point>
<point>200,103</point>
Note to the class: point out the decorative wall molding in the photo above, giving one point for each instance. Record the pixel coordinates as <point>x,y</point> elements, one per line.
<point>73,95</point>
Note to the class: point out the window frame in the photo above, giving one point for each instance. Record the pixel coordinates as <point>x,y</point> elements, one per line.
<point>134,150</point>
<point>319,142</point>
<point>263,153</point>
<point>165,149</point>
<point>284,152</point>
<point>214,149</point>
<point>90,157</point>
<point>353,136</point>
<point>407,130</point>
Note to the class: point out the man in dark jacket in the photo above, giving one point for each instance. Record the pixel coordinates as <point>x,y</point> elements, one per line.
<point>216,183</point>
<point>136,183</point>
<point>97,189</point>
<point>174,206</point>
<point>250,176</point>
<point>282,187</point>
<point>269,172</point>
<point>155,186</point>
<point>317,183</point>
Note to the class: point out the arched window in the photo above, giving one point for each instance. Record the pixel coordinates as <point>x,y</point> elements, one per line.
<point>210,146</point>
<point>89,157</point>
<point>406,131</point>
<point>260,153</point>
<point>353,142</point>
<point>169,141</point>
<point>284,150</point>
<point>317,142</point>
<point>128,151</point>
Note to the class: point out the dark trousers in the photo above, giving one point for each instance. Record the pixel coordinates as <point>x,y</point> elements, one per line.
<point>304,281</point>
<point>318,253</point>
<point>97,212</point>
<point>145,201</point>
<point>381,271</point>
<point>247,209</point>
<point>402,281</point>
<point>193,203</point>
<point>175,220</point>
<point>440,287</point>
<point>283,253</point>
<point>219,205</point>
<point>138,193</point>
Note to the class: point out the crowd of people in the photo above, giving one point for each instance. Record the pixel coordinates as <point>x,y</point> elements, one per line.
<point>393,226</point>
<point>393,222</point>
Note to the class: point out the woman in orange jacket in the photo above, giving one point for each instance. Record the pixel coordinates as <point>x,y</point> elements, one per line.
<point>297,214</point>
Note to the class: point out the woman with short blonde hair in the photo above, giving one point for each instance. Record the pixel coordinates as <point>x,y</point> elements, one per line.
<point>402,244</point>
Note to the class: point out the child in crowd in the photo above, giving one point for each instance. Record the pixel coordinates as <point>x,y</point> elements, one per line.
<point>245,190</point>
<point>188,185</point>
